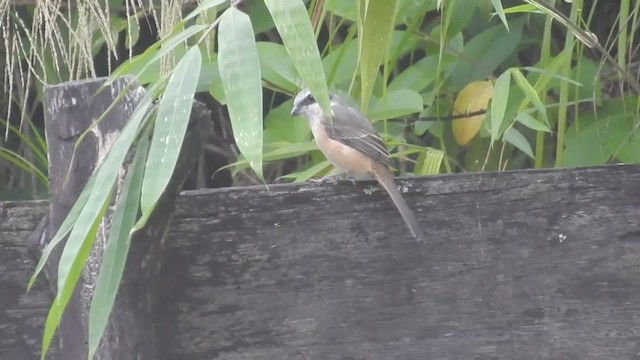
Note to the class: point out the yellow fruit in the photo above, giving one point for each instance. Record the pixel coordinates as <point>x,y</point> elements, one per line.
<point>473,98</point>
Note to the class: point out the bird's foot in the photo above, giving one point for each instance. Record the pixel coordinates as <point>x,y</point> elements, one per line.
<point>335,179</point>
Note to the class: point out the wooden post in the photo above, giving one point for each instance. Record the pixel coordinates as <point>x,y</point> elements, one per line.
<point>70,109</point>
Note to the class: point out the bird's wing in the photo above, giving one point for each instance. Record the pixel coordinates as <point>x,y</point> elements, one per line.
<point>350,127</point>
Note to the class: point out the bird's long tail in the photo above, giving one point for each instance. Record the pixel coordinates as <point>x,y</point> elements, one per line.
<point>385,178</point>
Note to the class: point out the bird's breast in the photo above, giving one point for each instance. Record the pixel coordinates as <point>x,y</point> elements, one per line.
<point>339,154</point>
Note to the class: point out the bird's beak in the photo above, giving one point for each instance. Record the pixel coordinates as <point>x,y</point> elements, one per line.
<point>295,111</point>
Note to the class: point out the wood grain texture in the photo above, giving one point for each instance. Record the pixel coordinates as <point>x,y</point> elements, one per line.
<point>21,315</point>
<point>70,110</point>
<point>515,265</point>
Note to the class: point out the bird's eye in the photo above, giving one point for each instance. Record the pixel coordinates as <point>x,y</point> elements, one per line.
<point>310,98</point>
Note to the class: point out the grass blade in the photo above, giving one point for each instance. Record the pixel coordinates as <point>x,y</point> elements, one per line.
<point>497,4</point>
<point>499,104</point>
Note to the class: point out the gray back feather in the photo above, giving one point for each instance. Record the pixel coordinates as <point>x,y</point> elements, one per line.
<point>350,127</point>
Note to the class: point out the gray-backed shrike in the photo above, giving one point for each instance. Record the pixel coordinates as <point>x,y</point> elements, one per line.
<point>350,142</point>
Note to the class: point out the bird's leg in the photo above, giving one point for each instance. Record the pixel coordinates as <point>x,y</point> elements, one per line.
<point>350,178</point>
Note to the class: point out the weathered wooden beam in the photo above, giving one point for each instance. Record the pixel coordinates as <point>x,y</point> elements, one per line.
<point>516,265</point>
<point>22,315</point>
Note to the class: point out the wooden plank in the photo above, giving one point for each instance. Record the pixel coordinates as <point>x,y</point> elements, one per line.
<point>516,265</point>
<point>21,315</point>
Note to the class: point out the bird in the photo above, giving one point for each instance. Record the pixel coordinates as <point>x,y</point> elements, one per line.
<point>350,143</point>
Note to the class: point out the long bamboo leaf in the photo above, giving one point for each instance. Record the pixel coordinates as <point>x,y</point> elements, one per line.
<point>202,7</point>
<point>117,247</point>
<point>374,35</point>
<point>240,73</point>
<point>499,104</point>
<point>154,53</point>
<point>82,227</point>
<point>294,27</point>
<point>75,269</point>
<point>64,229</point>
<point>174,111</point>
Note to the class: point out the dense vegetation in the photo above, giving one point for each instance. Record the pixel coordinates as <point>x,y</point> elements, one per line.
<point>560,102</point>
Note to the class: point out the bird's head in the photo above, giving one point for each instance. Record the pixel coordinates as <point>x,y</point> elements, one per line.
<point>304,103</point>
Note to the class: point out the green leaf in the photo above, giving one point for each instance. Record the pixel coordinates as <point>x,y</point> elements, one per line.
<point>116,248</point>
<point>64,229</point>
<point>282,151</point>
<point>460,13</point>
<point>139,64</point>
<point>548,75</point>
<point>203,6</point>
<point>294,27</point>
<point>286,151</point>
<point>149,73</point>
<point>611,133</point>
<point>401,43</point>
<point>588,38</point>
<point>375,27</point>
<point>260,17</point>
<point>240,72</point>
<point>174,111</point>
<point>528,90</point>
<point>486,51</point>
<point>529,121</point>
<point>35,142</point>
<point>524,8</point>
<point>429,162</point>
<point>209,76</point>
<point>132,35</point>
<point>342,62</point>
<point>411,12</point>
<point>25,165</point>
<point>99,192</point>
<point>75,266</point>
<point>422,73</point>
<point>276,67</point>
<point>515,138</point>
<point>345,9</point>
<point>586,143</point>
<point>497,4</point>
<point>280,126</point>
<point>307,174</point>
<point>396,104</point>
<point>499,104</point>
